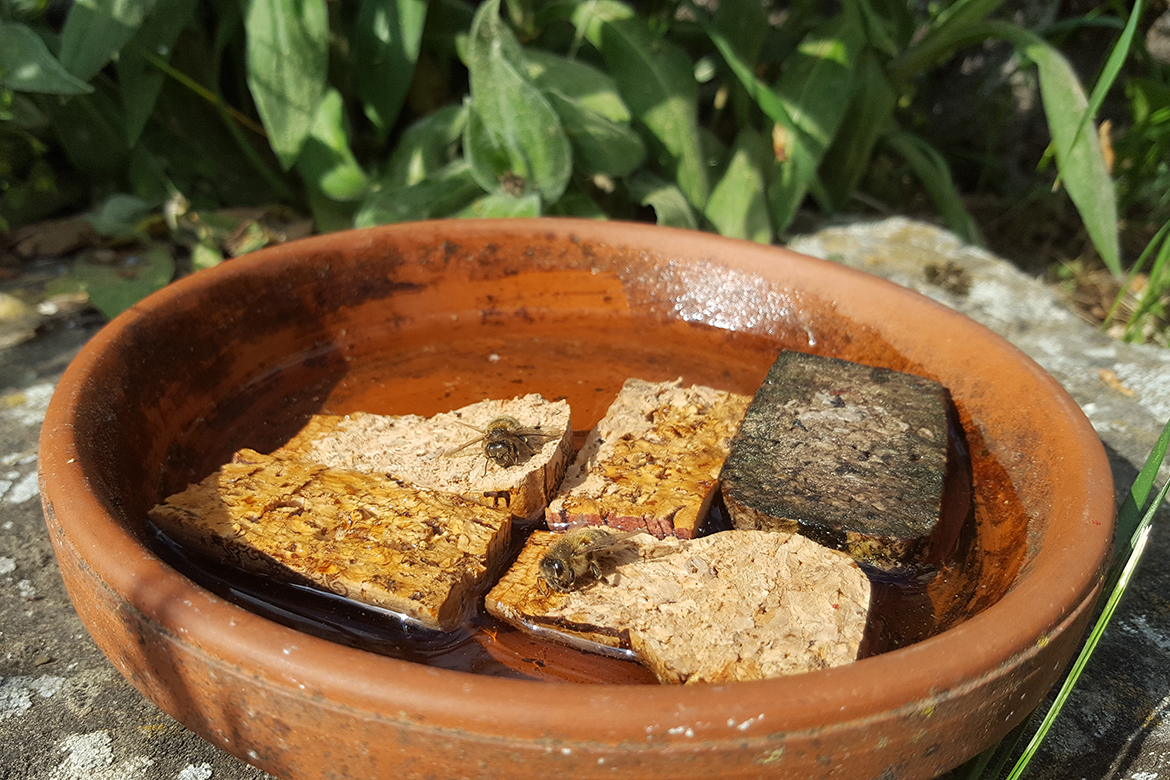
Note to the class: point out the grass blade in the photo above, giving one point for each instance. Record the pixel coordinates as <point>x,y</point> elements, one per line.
<point>931,168</point>
<point>1130,547</point>
<point>1109,73</point>
<point>1155,287</point>
<point>1079,158</point>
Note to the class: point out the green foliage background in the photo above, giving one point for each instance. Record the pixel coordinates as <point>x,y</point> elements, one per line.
<point>374,111</point>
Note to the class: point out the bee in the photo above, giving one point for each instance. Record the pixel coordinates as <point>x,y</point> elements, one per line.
<point>577,553</point>
<point>506,441</point>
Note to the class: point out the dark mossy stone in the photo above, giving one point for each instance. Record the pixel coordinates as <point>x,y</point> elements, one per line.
<point>851,456</point>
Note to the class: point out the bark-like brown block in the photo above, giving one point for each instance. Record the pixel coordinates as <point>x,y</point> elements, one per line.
<point>851,456</point>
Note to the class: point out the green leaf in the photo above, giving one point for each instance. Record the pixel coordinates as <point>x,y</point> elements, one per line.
<point>932,171</point>
<point>1126,557</point>
<point>514,112</point>
<point>657,82</point>
<point>27,66</point>
<point>386,42</point>
<point>738,206</point>
<point>670,205</point>
<point>586,16</point>
<point>440,195</point>
<point>815,79</point>
<point>489,162</point>
<point>599,145</point>
<point>141,81</point>
<point>426,146</point>
<point>958,25</point>
<point>90,129</point>
<point>745,26</point>
<point>326,159</point>
<point>96,30</point>
<point>287,58</point>
<point>575,203</point>
<point>869,115</point>
<point>501,204</point>
<point>120,217</point>
<point>1078,156</point>
<point>576,81</point>
<point>115,288</point>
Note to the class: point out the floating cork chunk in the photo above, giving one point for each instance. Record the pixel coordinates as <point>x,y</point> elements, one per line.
<point>854,457</point>
<point>426,451</point>
<point>736,605</point>
<point>652,463</point>
<point>417,552</point>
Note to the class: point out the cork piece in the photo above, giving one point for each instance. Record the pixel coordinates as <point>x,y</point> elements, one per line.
<point>653,461</point>
<point>852,456</point>
<point>736,605</point>
<point>417,552</point>
<point>421,450</point>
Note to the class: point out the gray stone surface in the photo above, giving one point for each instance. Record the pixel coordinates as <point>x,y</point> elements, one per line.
<point>66,714</point>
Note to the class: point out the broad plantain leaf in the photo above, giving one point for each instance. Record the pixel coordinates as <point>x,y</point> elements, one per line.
<point>439,195</point>
<point>489,162</point>
<point>514,112</point>
<point>501,204</point>
<point>287,58</point>
<point>96,30</point>
<point>326,160</point>
<point>386,41</point>
<point>426,146</point>
<point>27,66</point>
<point>140,80</point>
<point>599,145</point>
<point>669,204</point>
<point>738,206</point>
<point>657,82</point>
<point>577,81</point>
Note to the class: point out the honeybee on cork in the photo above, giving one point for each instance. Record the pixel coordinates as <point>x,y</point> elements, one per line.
<point>506,441</point>
<point>578,553</point>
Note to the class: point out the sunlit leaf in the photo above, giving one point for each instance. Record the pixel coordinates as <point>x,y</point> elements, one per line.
<point>815,79</point>
<point>599,145</point>
<point>96,30</point>
<point>287,58</point>
<point>670,205</point>
<point>576,81</point>
<point>657,82</point>
<point>441,194</point>
<point>426,146</point>
<point>386,42</point>
<point>514,112</point>
<point>501,204</point>
<point>326,159</point>
<point>489,162</point>
<point>1078,156</point>
<point>139,79</point>
<point>738,206</point>
<point>27,66</point>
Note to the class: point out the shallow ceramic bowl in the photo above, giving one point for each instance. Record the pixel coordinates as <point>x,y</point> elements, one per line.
<point>426,317</point>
